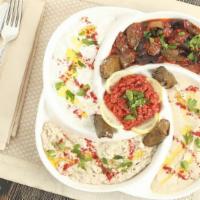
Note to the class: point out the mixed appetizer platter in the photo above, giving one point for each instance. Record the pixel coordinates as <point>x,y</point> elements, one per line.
<point>120,109</point>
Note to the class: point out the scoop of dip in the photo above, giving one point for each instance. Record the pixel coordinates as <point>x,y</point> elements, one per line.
<point>133,100</point>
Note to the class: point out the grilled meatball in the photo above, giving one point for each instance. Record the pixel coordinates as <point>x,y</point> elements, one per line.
<point>102,128</point>
<point>121,42</point>
<point>157,134</point>
<point>191,28</point>
<point>134,35</point>
<point>127,58</point>
<point>110,65</point>
<point>154,47</point>
<point>164,77</point>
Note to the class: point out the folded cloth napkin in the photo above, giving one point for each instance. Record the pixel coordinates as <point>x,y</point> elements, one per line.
<point>15,70</point>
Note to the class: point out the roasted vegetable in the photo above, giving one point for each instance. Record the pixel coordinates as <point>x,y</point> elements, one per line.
<point>102,128</point>
<point>157,134</point>
<point>164,77</point>
<point>156,24</point>
<point>110,65</point>
<point>173,55</point>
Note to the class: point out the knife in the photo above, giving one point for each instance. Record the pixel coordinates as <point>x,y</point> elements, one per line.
<point>3,11</point>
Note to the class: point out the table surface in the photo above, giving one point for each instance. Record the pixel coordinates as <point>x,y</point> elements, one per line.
<point>13,191</point>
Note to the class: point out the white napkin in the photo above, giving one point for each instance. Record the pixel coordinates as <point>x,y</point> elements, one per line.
<point>15,71</point>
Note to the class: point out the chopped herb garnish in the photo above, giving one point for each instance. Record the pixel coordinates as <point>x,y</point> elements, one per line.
<point>192,57</point>
<point>51,153</point>
<point>83,158</point>
<point>184,165</point>
<point>70,96</point>
<point>129,117</point>
<point>197,142</point>
<point>82,91</point>
<point>117,157</point>
<point>192,106</point>
<point>76,149</point>
<point>129,95</point>
<point>81,64</point>
<point>182,33</point>
<point>88,42</point>
<point>147,34</point>
<point>163,43</point>
<point>104,160</point>
<point>135,99</point>
<point>194,43</point>
<point>82,164</point>
<point>125,164</point>
<point>172,46</point>
<point>188,137</point>
<point>62,146</point>
<point>58,85</point>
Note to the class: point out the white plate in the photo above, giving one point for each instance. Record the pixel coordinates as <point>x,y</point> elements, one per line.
<point>134,186</point>
<point>57,47</point>
<point>50,109</point>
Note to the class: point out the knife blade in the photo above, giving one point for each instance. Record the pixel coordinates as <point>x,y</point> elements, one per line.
<point>3,11</point>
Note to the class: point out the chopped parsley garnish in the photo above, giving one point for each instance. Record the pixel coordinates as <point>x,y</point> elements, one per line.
<point>88,42</point>
<point>83,158</point>
<point>81,64</point>
<point>82,91</point>
<point>153,33</point>
<point>117,157</point>
<point>184,165</point>
<point>51,153</point>
<point>134,99</point>
<point>192,57</point>
<point>125,165</point>
<point>147,34</point>
<point>76,149</point>
<point>165,45</point>
<point>62,146</point>
<point>58,85</point>
<point>104,160</point>
<point>70,96</point>
<point>172,46</point>
<point>129,117</point>
<point>188,137</point>
<point>192,106</point>
<point>182,33</point>
<point>197,142</point>
<point>194,43</point>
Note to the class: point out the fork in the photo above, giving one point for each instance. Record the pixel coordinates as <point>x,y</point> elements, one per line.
<point>11,24</point>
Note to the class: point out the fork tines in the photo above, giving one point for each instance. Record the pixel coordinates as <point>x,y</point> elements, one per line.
<point>14,13</point>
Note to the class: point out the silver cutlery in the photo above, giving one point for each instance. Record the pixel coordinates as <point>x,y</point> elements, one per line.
<point>11,24</point>
<point>3,10</point>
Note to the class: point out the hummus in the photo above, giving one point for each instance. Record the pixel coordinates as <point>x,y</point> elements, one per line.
<point>182,165</point>
<point>86,161</point>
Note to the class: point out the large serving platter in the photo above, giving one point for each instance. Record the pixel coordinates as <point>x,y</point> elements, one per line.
<point>117,19</point>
